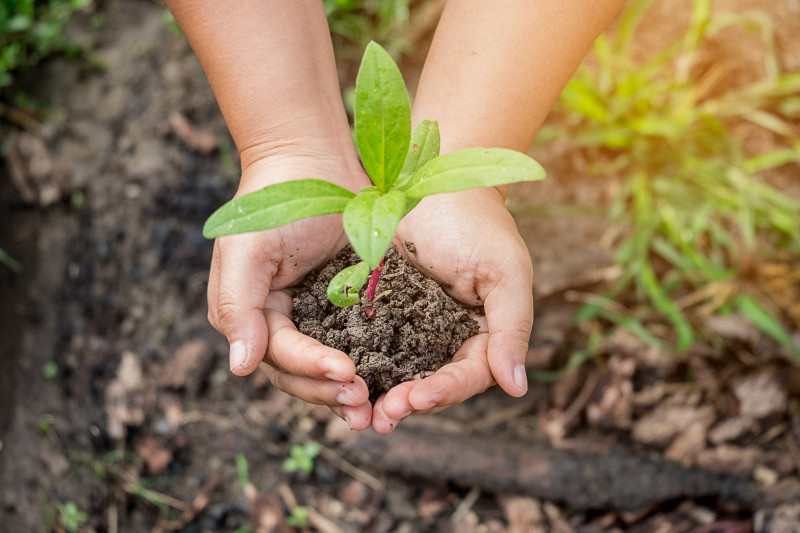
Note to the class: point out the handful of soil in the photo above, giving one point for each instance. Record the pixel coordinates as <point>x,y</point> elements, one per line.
<point>416,327</point>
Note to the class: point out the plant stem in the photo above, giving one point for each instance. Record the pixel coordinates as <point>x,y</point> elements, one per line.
<point>373,283</point>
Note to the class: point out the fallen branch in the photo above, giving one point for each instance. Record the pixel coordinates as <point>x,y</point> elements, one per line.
<point>580,479</point>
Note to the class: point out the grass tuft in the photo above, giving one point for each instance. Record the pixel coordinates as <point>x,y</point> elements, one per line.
<point>694,209</point>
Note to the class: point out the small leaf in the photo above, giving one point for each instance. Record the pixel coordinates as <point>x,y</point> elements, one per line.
<point>277,205</point>
<point>370,221</point>
<point>343,288</point>
<point>382,117</point>
<point>472,168</point>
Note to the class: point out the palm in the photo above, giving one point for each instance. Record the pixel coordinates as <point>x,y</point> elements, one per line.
<point>304,246</point>
<point>469,243</point>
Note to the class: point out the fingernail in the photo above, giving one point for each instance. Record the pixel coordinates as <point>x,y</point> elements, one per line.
<point>333,376</point>
<point>343,398</point>
<point>238,355</point>
<point>347,419</point>
<point>520,377</point>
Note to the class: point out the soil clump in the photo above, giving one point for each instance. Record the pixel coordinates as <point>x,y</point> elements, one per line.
<point>416,328</point>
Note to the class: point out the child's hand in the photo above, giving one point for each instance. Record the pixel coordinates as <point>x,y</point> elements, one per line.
<point>469,243</point>
<point>246,269</point>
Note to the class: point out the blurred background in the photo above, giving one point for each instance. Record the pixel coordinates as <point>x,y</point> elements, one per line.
<point>665,392</point>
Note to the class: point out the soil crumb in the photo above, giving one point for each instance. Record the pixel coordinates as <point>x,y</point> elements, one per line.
<point>416,327</point>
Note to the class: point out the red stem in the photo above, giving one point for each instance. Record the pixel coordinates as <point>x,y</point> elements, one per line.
<point>373,282</point>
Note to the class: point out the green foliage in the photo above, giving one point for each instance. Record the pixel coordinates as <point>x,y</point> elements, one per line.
<point>471,168</point>
<point>71,517</point>
<point>50,370</point>
<point>764,320</point>
<point>277,205</point>
<point>343,288</point>
<point>242,470</point>
<point>370,221</point>
<point>31,30</point>
<point>693,207</point>
<point>404,167</point>
<point>383,117</point>
<point>298,518</point>
<point>354,23</point>
<point>301,458</point>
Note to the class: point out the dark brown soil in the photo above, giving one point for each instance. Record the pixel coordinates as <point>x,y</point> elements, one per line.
<point>416,327</point>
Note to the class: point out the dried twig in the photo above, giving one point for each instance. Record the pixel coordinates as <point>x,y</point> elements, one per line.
<point>202,499</point>
<point>466,505</point>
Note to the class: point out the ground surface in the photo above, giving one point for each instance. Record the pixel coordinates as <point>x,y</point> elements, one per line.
<point>115,393</point>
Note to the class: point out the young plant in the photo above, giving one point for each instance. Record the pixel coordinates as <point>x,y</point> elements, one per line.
<point>404,167</point>
<point>301,458</point>
<point>71,517</point>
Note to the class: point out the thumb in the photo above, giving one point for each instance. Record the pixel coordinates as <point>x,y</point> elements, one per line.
<point>238,287</point>
<point>509,314</point>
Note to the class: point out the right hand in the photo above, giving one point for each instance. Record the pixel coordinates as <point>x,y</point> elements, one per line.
<point>250,268</point>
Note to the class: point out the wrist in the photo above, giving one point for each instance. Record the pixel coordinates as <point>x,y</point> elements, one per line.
<point>275,163</point>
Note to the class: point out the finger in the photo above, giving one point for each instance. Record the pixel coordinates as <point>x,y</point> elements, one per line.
<point>358,417</point>
<point>382,422</point>
<point>395,404</point>
<point>509,314</point>
<point>318,391</point>
<point>294,353</point>
<point>467,375</point>
<point>236,301</point>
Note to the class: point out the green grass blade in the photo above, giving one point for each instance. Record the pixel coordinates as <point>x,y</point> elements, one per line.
<point>662,302</point>
<point>575,360</point>
<point>770,160</point>
<point>9,261</point>
<point>763,320</point>
<point>583,99</point>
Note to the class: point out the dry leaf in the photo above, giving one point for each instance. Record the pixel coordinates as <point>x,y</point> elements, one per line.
<point>760,395</point>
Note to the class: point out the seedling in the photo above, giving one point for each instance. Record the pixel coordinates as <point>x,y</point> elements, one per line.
<point>71,516</point>
<point>301,458</point>
<point>298,518</point>
<point>404,167</point>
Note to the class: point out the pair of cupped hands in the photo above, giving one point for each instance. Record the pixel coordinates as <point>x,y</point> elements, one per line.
<point>466,241</point>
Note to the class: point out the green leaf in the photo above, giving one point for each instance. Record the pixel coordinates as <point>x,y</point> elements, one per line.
<point>472,168</point>
<point>763,320</point>
<point>370,221</point>
<point>277,205</point>
<point>424,147</point>
<point>343,288</point>
<point>382,117</point>
<point>425,142</point>
<point>18,23</point>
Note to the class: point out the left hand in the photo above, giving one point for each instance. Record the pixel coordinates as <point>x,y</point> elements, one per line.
<point>469,243</point>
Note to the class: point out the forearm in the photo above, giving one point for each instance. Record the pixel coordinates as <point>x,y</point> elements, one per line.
<point>271,66</point>
<point>496,68</point>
